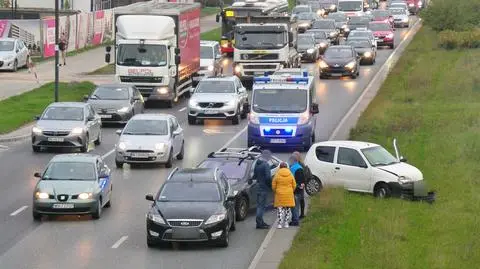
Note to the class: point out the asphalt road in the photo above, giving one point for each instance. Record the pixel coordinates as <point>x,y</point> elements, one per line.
<point>117,240</point>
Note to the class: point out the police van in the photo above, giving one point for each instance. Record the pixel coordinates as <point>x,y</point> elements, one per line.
<point>283,112</point>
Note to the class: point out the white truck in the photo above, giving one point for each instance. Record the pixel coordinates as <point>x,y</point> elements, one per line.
<point>263,45</point>
<point>157,48</point>
<point>352,7</point>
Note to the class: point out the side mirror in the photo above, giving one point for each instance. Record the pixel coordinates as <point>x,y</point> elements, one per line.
<point>177,59</point>
<point>246,108</point>
<point>177,51</point>
<point>108,48</point>
<point>37,175</point>
<point>149,197</point>
<point>290,37</point>
<point>192,90</point>
<point>217,18</point>
<point>175,133</point>
<point>90,118</point>
<point>403,159</point>
<point>107,58</point>
<point>290,44</point>
<point>36,117</point>
<point>85,98</point>
<point>118,132</point>
<point>363,166</point>
<point>314,108</point>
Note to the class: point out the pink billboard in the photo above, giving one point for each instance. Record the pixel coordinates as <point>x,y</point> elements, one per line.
<point>189,42</point>
<point>98,28</point>
<point>3,28</point>
<point>48,38</point>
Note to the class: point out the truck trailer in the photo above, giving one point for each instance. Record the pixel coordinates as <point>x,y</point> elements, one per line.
<point>157,48</point>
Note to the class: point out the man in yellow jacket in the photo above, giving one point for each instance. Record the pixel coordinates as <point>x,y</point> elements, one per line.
<point>283,186</point>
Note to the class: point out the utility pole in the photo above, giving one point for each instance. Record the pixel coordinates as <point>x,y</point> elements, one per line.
<point>57,71</point>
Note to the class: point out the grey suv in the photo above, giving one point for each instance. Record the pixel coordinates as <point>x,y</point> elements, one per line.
<point>218,98</point>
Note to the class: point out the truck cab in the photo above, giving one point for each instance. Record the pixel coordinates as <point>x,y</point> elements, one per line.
<point>352,7</point>
<point>283,112</point>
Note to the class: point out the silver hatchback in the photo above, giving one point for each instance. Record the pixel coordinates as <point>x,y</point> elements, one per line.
<point>67,125</point>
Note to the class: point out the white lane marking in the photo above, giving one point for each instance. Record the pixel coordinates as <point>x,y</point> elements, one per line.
<point>182,109</point>
<point>108,153</point>
<point>16,212</point>
<point>263,246</point>
<point>386,64</point>
<point>120,241</point>
<point>3,147</point>
<point>234,137</point>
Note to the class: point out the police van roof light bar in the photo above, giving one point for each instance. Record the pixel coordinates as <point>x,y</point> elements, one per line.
<point>267,79</point>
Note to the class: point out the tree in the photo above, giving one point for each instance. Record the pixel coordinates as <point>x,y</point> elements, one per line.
<point>66,4</point>
<point>6,3</point>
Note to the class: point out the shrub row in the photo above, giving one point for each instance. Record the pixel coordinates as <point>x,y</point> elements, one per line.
<point>457,15</point>
<point>449,39</point>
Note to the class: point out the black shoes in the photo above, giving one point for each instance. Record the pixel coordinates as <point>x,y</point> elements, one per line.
<point>294,223</point>
<point>302,216</point>
<point>264,226</point>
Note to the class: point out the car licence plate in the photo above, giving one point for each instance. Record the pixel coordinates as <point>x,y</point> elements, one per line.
<point>185,233</point>
<point>336,75</point>
<point>56,139</point>
<point>106,116</point>
<point>63,206</point>
<point>140,155</point>
<point>259,73</point>
<point>209,111</point>
<point>278,141</point>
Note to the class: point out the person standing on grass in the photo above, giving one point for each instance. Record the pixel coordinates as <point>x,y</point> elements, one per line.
<point>283,186</point>
<point>299,175</point>
<point>263,176</point>
<point>308,175</point>
<point>62,46</point>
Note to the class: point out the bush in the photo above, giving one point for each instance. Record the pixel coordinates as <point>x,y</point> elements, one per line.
<point>449,39</point>
<point>458,15</point>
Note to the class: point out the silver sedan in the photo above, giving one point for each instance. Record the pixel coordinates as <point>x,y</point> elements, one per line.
<point>67,125</point>
<point>150,138</point>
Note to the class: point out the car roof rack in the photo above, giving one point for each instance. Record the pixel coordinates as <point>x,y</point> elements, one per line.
<point>171,173</point>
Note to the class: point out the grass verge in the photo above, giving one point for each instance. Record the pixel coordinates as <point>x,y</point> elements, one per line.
<point>214,34</point>
<point>431,103</point>
<point>19,110</point>
<point>207,11</point>
<point>70,54</point>
<point>106,70</point>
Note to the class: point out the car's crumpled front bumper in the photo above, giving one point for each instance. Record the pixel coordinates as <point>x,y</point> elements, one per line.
<point>414,191</point>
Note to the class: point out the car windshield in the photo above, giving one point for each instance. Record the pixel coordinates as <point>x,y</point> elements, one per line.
<point>350,6</point>
<point>397,11</point>
<point>379,27</point>
<point>323,24</point>
<point>279,100</point>
<point>378,156</point>
<point>359,43</point>
<point>359,34</point>
<point>142,55</point>
<point>380,13</point>
<point>70,171</point>
<point>306,16</point>
<point>206,52</point>
<point>110,93</point>
<point>6,45</point>
<point>359,20</point>
<point>189,192</point>
<point>301,9</point>
<point>212,86</point>
<point>305,40</point>
<point>63,113</point>
<point>146,127</point>
<point>318,34</point>
<point>338,17</point>
<point>255,39</point>
<point>338,53</point>
<point>232,169</point>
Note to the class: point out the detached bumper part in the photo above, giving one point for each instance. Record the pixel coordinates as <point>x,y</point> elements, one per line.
<point>414,191</point>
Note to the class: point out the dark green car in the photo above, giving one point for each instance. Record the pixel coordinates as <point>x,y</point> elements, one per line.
<point>73,184</point>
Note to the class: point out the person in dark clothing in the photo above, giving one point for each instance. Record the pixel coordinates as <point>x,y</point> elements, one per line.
<point>263,177</point>
<point>62,46</point>
<point>299,175</point>
<point>308,175</point>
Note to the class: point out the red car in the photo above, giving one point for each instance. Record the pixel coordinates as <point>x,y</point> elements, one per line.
<point>383,32</point>
<point>383,16</point>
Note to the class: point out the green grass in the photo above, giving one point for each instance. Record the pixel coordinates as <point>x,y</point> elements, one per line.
<point>214,34</point>
<point>431,104</point>
<point>19,110</point>
<point>69,54</point>
<point>105,70</point>
<point>207,11</point>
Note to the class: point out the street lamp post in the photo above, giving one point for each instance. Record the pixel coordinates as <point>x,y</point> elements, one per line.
<point>57,71</point>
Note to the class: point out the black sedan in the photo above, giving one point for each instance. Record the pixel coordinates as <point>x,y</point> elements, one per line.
<point>328,26</point>
<point>340,61</point>
<point>365,50</point>
<point>116,103</point>
<point>358,22</point>
<point>321,38</point>
<point>193,205</point>
<point>238,164</point>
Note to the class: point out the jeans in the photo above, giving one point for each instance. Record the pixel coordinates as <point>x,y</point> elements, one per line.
<point>261,201</point>
<point>296,209</point>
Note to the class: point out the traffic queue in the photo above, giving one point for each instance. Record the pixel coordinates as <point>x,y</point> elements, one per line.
<point>203,203</point>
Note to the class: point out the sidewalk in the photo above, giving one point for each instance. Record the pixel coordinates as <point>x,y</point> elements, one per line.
<point>77,66</point>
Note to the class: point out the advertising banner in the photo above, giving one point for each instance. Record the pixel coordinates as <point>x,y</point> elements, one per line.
<point>4,28</point>
<point>189,42</point>
<point>108,26</point>
<point>98,28</point>
<point>71,32</point>
<point>48,37</point>
<point>82,31</point>
<point>91,28</point>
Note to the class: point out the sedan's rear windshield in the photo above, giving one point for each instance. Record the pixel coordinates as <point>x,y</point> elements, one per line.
<point>189,192</point>
<point>338,53</point>
<point>70,171</point>
<point>6,45</point>
<point>232,169</point>
<point>63,113</point>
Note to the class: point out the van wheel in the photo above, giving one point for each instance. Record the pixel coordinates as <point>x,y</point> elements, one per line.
<point>84,147</point>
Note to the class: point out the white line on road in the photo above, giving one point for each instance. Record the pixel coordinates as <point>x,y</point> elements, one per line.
<point>235,137</point>
<point>3,147</point>
<point>108,154</point>
<point>16,212</point>
<point>120,241</point>
<point>182,109</point>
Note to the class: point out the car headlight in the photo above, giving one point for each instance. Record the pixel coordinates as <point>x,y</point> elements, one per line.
<point>389,36</point>
<point>156,218</point>
<point>303,25</point>
<point>85,195</point>
<point>216,218</point>
<point>310,51</point>
<point>405,19</point>
<point>323,45</point>
<point>411,5</point>
<point>41,195</point>
<point>253,118</point>
<point>323,64</point>
<point>122,146</point>
<point>350,65</point>
<point>210,68</point>
<point>192,103</point>
<point>320,12</point>
<point>403,179</point>
<point>332,7</point>
<point>344,26</point>
<point>346,29</point>
<point>304,118</point>
<point>123,109</point>
<point>162,90</point>
<point>230,103</point>
<point>77,130</point>
<point>160,146</point>
<point>367,54</point>
<point>36,130</point>
<point>332,34</point>
<point>238,69</point>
